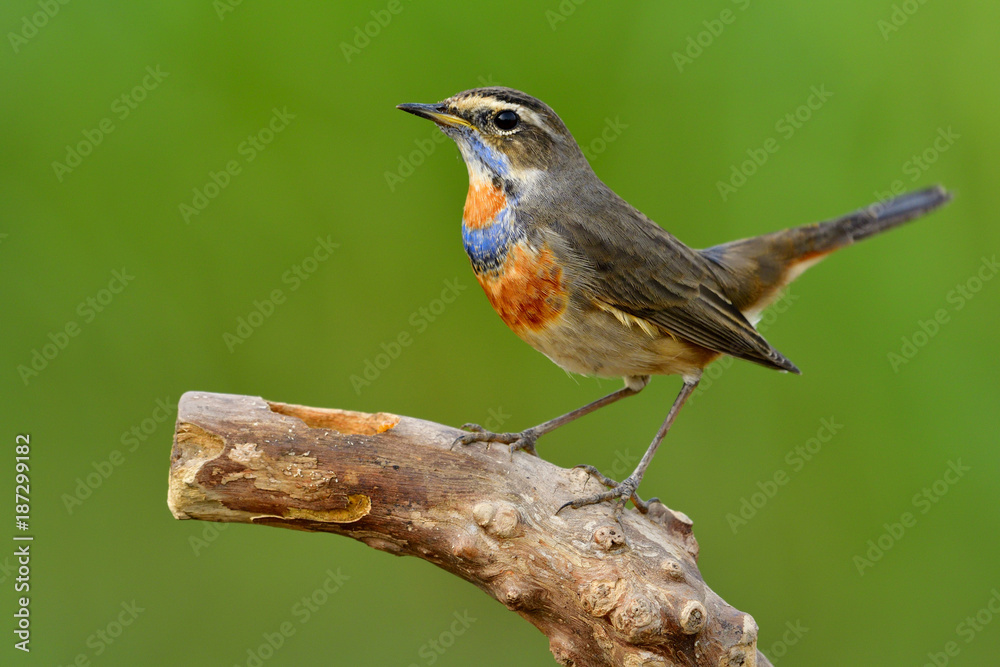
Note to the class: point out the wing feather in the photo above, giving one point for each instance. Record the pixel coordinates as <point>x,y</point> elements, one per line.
<point>636,267</point>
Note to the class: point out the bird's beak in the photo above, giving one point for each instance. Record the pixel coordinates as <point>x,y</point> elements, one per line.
<point>436,113</point>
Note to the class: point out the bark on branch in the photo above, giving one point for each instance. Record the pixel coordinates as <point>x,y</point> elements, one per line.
<point>604,592</point>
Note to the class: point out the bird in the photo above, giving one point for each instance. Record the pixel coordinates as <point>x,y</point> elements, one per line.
<point>599,288</point>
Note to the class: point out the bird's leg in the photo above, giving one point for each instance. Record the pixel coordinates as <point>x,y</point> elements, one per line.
<point>526,439</point>
<point>625,490</point>
<point>643,505</point>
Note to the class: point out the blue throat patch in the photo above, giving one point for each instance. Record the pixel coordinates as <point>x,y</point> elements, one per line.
<point>494,161</point>
<point>487,246</point>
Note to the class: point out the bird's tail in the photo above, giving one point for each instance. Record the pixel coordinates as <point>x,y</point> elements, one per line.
<point>754,270</point>
<point>869,221</point>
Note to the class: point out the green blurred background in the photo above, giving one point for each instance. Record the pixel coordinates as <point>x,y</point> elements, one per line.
<point>911,99</point>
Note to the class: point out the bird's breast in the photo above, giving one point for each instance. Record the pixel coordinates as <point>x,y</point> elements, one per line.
<point>524,282</point>
<point>527,289</point>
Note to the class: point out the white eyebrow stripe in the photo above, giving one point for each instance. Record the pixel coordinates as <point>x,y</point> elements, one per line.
<point>539,121</point>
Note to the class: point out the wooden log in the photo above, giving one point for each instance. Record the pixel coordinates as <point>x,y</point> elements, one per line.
<point>604,590</point>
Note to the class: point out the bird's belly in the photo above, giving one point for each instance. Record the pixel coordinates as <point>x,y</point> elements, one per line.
<point>592,342</point>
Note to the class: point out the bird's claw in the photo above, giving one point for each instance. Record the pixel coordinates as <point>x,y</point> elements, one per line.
<point>525,440</point>
<point>620,493</point>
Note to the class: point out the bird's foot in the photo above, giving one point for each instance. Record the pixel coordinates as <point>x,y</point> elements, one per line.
<point>523,440</point>
<point>620,493</point>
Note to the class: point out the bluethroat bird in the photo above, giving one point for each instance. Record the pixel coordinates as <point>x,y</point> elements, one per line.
<point>599,288</point>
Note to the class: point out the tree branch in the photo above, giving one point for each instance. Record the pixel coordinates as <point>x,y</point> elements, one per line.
<point>604,592</point>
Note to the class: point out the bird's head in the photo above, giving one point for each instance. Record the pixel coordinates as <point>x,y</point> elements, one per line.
<point>504,134</point>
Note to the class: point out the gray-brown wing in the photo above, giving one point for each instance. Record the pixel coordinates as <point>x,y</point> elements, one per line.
<point>644,271</point>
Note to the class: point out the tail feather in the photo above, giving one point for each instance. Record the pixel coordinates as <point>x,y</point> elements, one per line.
<point>753,271</point>
<point>882,216</point>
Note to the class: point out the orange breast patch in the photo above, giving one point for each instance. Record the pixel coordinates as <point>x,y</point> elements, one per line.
<point>482,204</point>
<point>527,292</point>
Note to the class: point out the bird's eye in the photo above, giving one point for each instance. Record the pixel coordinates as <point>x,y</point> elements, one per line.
<point>506,120</point>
